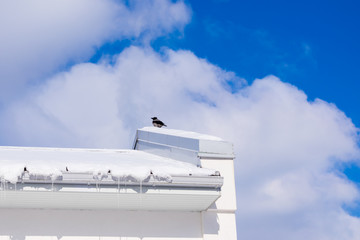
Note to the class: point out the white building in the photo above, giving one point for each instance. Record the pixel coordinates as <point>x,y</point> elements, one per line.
<point>173,185</point>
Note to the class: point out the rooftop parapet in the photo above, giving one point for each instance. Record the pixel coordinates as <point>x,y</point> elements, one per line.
<point>182,145</point>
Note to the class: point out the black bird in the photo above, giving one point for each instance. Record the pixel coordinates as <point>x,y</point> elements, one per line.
<point>157,123</point>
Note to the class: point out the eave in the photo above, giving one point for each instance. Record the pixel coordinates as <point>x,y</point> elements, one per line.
<point>83,191</point>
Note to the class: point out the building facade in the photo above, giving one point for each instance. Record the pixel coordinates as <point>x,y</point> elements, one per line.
<point>172,185</point>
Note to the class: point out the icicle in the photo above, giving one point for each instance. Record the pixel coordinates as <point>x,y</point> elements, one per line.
<point>97,181</point>
<point>2,184</point>
<point>141,200</point>
<point>52,184</point>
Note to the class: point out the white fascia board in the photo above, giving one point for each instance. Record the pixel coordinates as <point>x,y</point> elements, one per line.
<point>160,201</point>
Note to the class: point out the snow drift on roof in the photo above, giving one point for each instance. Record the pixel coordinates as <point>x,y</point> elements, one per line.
<point>126,164</point>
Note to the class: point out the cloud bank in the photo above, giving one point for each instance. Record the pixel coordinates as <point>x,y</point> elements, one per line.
<point>38,37</point>
<point>288,148</point>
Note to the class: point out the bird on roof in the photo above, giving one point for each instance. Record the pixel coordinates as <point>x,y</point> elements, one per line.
<point>157,123</point>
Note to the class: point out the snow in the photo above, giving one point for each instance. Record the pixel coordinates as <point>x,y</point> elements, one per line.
<point>181,133</point>
<point>126,164</point>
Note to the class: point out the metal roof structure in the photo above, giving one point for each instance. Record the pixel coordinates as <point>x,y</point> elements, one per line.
<point>182,145</point>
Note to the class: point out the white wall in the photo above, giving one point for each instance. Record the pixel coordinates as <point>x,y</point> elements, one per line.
<point>224,208</point>
<point>20,224</point>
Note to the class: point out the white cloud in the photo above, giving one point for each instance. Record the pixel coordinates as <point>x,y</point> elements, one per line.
<point>286,146</point>
<point>39,37</point>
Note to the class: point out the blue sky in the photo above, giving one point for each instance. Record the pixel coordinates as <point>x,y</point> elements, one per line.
<point>311,44</point>
<point>281,77</point>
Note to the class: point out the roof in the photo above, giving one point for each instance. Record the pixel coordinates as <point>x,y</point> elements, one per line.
<point>74,178</point>
<point>129,165</point>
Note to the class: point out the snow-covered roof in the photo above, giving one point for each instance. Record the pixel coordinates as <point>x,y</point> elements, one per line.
<point>123,164</point>
<point>70,178</point>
